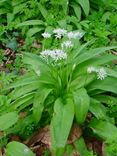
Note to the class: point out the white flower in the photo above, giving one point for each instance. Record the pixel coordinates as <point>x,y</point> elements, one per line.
<point>56,54</point>
<point>101,74</point>
<point>67,44</point>
<point>59,32</point>
<point>91,69</point>
<point>46,52</point>
<point>59,55</point>
<point>74,35</point>
<point>46,35</point>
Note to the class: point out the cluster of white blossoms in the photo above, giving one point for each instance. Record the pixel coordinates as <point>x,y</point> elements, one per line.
<point>92,69</point>
<point>67,44</point>
<point>55,54</point>
<point>74,35</point>
<point>58,54</point>
<point>101,73</point>
<point>46,35</point>
<point>59,32</point>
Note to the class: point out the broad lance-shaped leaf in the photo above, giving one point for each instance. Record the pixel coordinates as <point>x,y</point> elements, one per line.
<point>33,31</point>
<point>28,98</point>
<point>108,84</point>
<point>43,11</point>
<point>77,10</point>
<point>98,61</point>
<point>38,104</point>
<point>82,101</point>
<point>81,146</point>
<point>18,149</point>
<point>36,63</point>
<point>106,99</point>
<point>85,6</point>
<point>61,124</point>
<point>97,109</point>
<point>31,22</point>
<point>29,78</point>
<point>22,91</point>
<point>89,54</point>
<point>111,72</point>
<point>7,120</point>
<point>104,129</point>
<point>65,5</point>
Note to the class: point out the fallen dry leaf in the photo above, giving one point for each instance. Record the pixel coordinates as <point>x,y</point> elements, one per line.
<point>15,138</point>
<point>42,136</point>
<point>75,133</point>
<point>94,144</point>
<point>41,140</point>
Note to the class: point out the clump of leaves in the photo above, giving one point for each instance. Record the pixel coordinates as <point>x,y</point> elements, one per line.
<point>63,83</point>
<point>6,78</point>
<point>102,26</point>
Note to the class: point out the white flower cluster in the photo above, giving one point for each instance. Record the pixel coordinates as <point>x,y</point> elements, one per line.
<point>59,32</point>
<point>46,35</point>
<point>101,73</point>
<point>67,44</point>
<point>55,54</point>
<point>74,35</point>
<point>91,69</point>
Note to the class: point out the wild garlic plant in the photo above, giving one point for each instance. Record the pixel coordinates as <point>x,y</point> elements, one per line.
<point>64,83</point>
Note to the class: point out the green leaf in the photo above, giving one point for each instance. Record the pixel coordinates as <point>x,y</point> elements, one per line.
<point>36,63</point>
<point>104,129</point>
<point>82,101</point>
<point>84,80</point>
<point>77,10</point>
<point>7,120</point>
<point>22,100</point>
<point>33,31</point>
<point>23,90</point>
<point>98,61</point>
<point>105,85</point>
<point>112,72</point>
<point>61,124</point>
<point>31,22</point>
<point>81,146</point>
<point>98,110</point>
<point>65,6</point>
<point>18,8</point>
<point>43,11</point>
<point>85,6</point>
<point>12,44</point>
<point>38,104</point>
<point>3,1</point>
<point>26,79</point>
<point>86,55</point>
<point>18,149</point>
<point>106,99</point>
